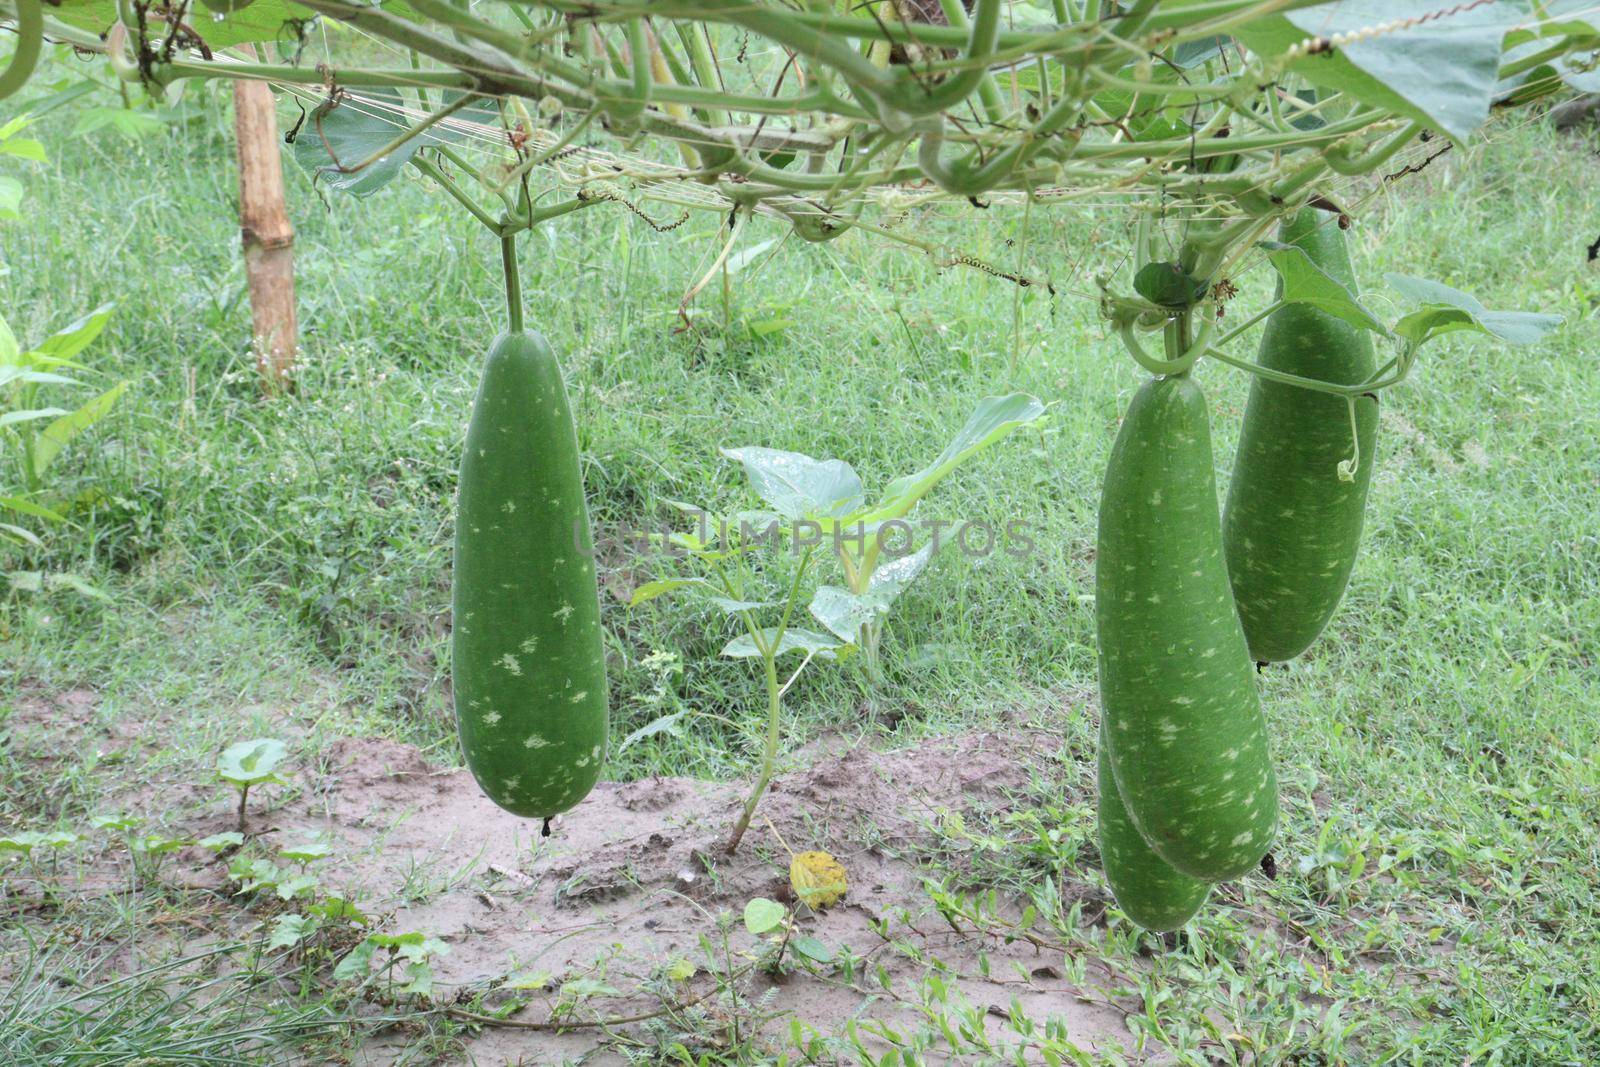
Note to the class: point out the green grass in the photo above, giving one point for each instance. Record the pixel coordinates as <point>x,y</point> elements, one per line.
<point>294,555</point>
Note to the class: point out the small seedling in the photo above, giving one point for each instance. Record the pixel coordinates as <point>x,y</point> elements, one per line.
<point>251,763</point>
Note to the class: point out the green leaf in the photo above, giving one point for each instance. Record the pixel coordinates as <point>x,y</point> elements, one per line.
<point>844,613</point>
<point>348,133</point>
<point>338,909</point>
<point>680,970</point>
<point>23,148</point>
<point>794,640</point>
<point>357,963</point>
<point>74,337</point>
<point>219,842</point>
<point>10,197</point>
<point>799,487</point>
<point>530,980</point>
<point>1167,284</point>
<point>584,988</point>
<point>255,762</point>
<point>1441,72</point>
<point>661,587</point>
<point>991,421</point>
<point>1306,283</point>
<point>730,606</point>
<point>1446,310</point>
<point>1193,53</point>
<point>762,916</point>
<point>301,885</point>
<point>892,578</point>
<point>55,437</point>
<point>9,350</point>
<point>264,21</point>
<point>663,724</point>
<point>23,843</point>
<point>289,930</point>
<point>812,949</point>
<point>419,979</point>
<point>306,851</point>
<point>158,844</point>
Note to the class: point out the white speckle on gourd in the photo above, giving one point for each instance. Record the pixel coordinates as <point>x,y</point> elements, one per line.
<point>535,741</point>
<point>509,663</point>
<point>578,697</point>
<point>491,719</point>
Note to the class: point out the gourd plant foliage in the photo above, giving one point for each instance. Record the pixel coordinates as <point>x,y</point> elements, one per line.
<point>818,508</point>
<point>1222,114</point>
<point>247,764</point>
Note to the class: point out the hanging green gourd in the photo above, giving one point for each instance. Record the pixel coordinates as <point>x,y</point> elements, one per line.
<point>527,648</point>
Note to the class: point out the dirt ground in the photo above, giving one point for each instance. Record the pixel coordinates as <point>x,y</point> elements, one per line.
<point>635,878</point>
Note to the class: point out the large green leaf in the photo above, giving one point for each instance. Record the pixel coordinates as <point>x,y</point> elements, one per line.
<point>891,579</point>
<point>793,640</point>
<point>1306,283</point>
<point>844,613</point>
<point>799,487</point>
<point>350,132</point>
<point>262,20</point>
<point>1446,310</point>
<point>993,419</point>
<point>1441,72</point>
<point>246,763</point>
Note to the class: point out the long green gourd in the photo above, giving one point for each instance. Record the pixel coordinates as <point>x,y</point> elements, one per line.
<point>527,650</point>
<point>1184,729</point>
<point>1148,889</point>
<point>1292,526</point>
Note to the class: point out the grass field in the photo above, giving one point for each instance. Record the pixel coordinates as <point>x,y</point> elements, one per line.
<point>283,568</point>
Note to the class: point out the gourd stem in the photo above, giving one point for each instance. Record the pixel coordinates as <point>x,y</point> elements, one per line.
<point>508,260</point>
<point>769,753</point>
<point>30,41</point>
<point>1189,352</point>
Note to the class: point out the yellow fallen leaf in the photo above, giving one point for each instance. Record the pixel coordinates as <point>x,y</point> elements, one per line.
<point>818,879</point>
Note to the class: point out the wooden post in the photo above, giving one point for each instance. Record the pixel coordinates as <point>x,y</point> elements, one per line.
<point>267,236</point>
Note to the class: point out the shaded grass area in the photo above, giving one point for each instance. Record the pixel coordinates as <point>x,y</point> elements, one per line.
<point>290,560</point>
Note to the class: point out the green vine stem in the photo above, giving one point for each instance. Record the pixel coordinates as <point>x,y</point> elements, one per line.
<point>1188,352</point>
<point>30,41</point>
<point>769,657</point>
<point>508,262</point>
